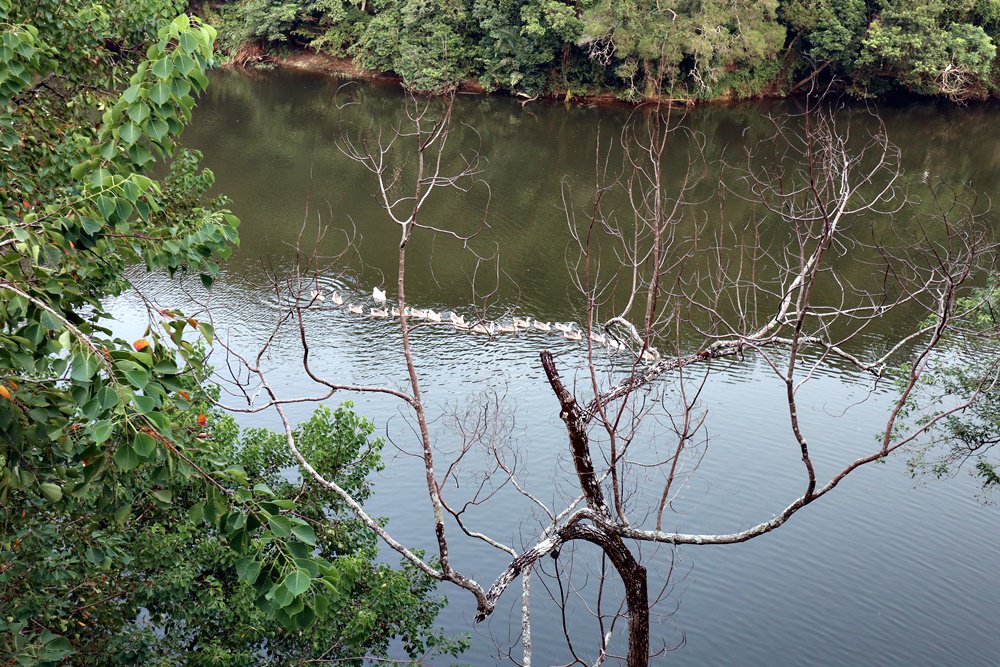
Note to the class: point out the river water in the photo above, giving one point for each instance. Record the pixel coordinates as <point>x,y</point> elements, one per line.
<point>884,571</point>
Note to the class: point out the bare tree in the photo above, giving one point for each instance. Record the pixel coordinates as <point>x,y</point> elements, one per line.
<point>671,276</point>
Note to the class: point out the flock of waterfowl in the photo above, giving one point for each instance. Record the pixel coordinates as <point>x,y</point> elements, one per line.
<point>569,330</point>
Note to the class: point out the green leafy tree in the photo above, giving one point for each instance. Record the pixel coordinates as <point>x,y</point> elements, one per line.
<point>522,41</point>
<point>328,25</point>
<point>733,45</point>
<point>931,47</point>
<point>426,42</point>
<point>641,40</point>
<point>708,47</point>
<point>966,438</point>
<point>831,30</point>
<point>158,584</point>
<point>118,495</point>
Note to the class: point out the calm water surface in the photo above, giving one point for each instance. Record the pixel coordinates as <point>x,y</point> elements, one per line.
<point>881,572</point>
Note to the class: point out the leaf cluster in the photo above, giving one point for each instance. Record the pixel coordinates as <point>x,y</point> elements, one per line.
<point>965,438</point>
<point>132,532</point>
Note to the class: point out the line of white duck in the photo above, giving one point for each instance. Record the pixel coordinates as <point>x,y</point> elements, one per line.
<point>569,330</point>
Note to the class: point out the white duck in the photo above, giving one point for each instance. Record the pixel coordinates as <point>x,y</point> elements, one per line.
<point>433,316</point>
<point>481,328</point>
<point>650,354</point>
<point>572,334</point>
<point>378,312</point>
<point>522,324</point>
<point>337,299</point>
<point>378,295</point>
<point>317,295</point>
<point>542,326</point>
<point>355,309</point>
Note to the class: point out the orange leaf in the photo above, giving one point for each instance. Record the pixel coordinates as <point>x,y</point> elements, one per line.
<point>140,344</point>
<point>165,312</point>
<point>202,420</point>
<point>193,322</point>
<point>5,392</point>
<point>183,394</point>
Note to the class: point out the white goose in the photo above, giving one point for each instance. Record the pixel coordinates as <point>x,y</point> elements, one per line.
<point>481,328</point>
<point>542,326</point>
<point>317,295</point>
<point>572,334</point>
<point>650,354</point>
<point>507,328</point>
<point>522,324</point>
<point>433,316</point>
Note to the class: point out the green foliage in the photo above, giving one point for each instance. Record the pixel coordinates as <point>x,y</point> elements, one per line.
<point>423,41</point>
<point>164,581</point>
<point>520,39</point>
<point>126,509</point>
<point>75,209</point>
<point>967,436</point>
<point>331,25</point>
<point>698,48</point>
<point>930,47</point>
<point>832,29</point>
<point>724,37</point>
<point>705,48</point>
<point>637,40</point>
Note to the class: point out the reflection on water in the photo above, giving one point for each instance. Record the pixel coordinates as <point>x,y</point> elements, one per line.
<point>880,573</point>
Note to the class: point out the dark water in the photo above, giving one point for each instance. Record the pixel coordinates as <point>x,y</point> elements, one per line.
<point>882,572</point>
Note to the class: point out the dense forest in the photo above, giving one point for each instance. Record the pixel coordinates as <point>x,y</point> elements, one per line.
<point>692,49</point>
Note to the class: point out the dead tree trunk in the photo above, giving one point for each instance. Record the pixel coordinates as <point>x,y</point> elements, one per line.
<point>603,533</point>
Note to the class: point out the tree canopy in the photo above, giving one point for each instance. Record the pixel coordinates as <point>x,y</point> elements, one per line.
<point>138,524</point>
<point>701,50</point>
